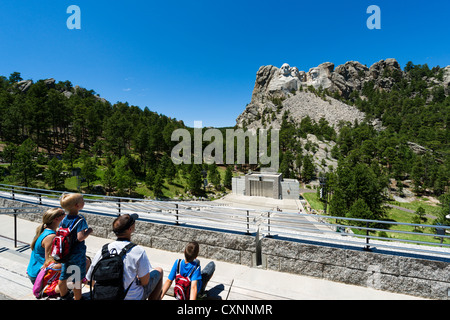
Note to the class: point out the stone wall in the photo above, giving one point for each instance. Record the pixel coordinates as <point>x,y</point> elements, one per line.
<point>284,188</point>
<point>238,185</point>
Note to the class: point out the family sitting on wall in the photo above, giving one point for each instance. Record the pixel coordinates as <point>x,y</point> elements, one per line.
<point>59,261</point>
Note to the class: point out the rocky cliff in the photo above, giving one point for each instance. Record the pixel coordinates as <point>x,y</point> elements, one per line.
<point>287,89</point>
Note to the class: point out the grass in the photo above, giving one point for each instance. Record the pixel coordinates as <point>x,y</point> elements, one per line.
<point>414,205</point>
<point>313,200</point>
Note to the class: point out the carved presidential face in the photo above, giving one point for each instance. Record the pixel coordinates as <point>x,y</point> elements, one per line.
<point>314,74</point>
<point>294,72</point>
<point>285,69</point>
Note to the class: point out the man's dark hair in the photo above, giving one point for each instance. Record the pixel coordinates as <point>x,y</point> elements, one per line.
<point>123,222</point>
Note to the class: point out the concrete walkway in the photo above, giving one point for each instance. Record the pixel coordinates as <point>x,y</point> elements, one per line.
<point>230,281</point>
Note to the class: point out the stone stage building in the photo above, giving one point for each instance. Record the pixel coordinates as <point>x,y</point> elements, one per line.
<point>266,184</point>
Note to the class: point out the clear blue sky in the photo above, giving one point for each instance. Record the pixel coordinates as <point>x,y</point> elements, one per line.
<point>197,60</point>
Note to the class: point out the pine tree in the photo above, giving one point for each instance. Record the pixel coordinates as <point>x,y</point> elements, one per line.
<point>228,178</point>
<point>123,175</point>
<point>214,176</point>
<point>158,186</point>
<point>69,155</point>
<point>308,169</point>
<point>53,173</point>
<point>24,167</point>
<point>108,179</point>
<point>195,180</point>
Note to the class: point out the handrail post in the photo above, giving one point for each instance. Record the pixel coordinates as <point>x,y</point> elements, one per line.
<point>118,206</point>
<point>268,224</point>
<point>176,214</point>
<point>367,247</point>
<point>248,222</point>
<point>15,228</point>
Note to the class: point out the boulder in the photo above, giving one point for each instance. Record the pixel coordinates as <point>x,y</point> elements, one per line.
<point>446,79</point>
<point>50,83</point>
<point>24,85</point>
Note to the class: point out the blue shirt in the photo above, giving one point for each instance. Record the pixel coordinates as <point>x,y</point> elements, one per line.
<point>37,258</point>
<point>185,270</point>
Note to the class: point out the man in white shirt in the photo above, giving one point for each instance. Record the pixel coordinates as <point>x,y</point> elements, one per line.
<point>143,281</point>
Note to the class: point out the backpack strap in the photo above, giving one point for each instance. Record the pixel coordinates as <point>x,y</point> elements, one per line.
<point>105,251</point>
<point>126,291</point>
<point>178,266</point>
<point>197,265</point>
<point>126,249</point>
<point>52,267</point>
<point>75,222</point>
<point>122,254</point>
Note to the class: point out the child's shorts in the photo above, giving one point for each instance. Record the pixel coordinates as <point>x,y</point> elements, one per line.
<point>75,267</point>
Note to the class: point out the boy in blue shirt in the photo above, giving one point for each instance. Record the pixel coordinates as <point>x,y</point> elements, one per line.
<point>73,203</point>
<point>190,266</point>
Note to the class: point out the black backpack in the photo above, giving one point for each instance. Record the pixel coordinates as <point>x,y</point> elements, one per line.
<point>108,275</point>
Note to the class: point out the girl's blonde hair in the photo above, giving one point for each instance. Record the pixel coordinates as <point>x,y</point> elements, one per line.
<point>69,200</point>
<point>49,261</point>
<point>47,220</point>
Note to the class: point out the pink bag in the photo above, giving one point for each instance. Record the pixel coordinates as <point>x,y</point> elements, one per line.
<point>46,281</point>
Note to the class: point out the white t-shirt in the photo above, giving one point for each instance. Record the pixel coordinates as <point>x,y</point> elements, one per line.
<point>136,264</point>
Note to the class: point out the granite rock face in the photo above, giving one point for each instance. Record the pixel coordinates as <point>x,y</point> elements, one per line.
<point>343,79</point>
